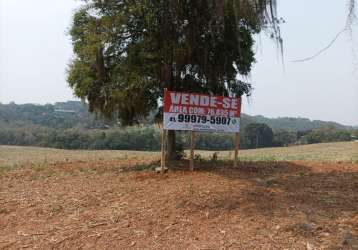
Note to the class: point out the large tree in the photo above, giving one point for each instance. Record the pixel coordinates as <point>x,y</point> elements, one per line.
<point>128,51</point>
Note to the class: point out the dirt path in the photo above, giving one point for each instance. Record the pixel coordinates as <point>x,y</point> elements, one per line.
<point>105,205</point>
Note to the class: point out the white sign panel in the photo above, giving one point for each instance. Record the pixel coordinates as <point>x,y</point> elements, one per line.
<point>198,112</point>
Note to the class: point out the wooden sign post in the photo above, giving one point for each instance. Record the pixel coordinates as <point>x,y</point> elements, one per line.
<point>237,144</point>
<point>162,162</point>
<point>237,147</point>
<point>197,112</point>
<point>192,145</point>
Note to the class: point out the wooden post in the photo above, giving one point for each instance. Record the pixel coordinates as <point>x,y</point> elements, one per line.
<point>237,141</point>
<point>162,162</point>
<point>237,147</point>
<point>192,143</point>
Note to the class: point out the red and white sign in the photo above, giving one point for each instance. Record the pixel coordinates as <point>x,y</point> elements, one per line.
<point>199,112</point>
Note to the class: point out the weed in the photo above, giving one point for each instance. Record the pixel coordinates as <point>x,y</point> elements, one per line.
<point>197,157</point>
<point>215,156</point>
<point>301,174</point>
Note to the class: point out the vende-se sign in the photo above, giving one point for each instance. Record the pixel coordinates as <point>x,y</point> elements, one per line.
<point>198,112</point>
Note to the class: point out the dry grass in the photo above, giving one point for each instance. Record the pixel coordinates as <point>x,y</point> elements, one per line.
<point>19,156</point>
<point>334,152</point>
<point>12,156</point>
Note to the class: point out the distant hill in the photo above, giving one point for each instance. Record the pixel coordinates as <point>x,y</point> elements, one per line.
<point>293,124</point>
<point>61,115</point>
<point>73,114</point>
<point>69,125</point>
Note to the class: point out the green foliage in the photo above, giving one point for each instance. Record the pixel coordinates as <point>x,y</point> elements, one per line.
<point>134,138</point>
<point>284,138</point>
<point>61,115</point>
<point>126,52</point>
<point>326,134</point>
<point>148,138</point>
<point>50,126</point>
<point>258,135</point>
<point>291,123</point>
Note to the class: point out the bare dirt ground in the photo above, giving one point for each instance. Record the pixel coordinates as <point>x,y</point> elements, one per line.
<point>115,204</point>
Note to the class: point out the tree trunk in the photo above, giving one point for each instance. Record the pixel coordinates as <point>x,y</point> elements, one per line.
<point>171,149</point>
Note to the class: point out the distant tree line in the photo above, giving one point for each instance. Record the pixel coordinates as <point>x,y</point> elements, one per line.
<point>74,114</point>
<point>69,125</point>
<point>61,115</point>
<point>145,138</point>
<point>254,135</point>
<point>327,134</point>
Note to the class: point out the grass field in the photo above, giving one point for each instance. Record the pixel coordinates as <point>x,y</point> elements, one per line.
<point>339,151</point>
<point>303,197</point>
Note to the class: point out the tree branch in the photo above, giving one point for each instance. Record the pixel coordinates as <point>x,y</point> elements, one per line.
<point>322,50</point>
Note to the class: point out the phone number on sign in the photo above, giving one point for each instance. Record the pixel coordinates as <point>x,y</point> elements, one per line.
<point>203,119</point>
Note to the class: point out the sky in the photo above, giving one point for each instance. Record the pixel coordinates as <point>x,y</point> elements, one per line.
<point>35,51</point>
